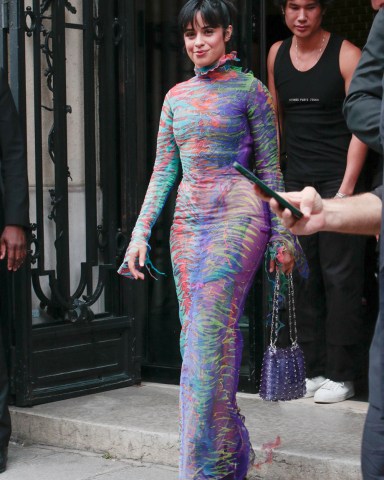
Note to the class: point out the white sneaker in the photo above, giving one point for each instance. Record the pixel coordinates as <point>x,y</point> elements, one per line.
<point>313,384</point>
<point>332,392</point>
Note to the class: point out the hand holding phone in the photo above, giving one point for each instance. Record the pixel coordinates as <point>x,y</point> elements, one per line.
<point>268,191</point>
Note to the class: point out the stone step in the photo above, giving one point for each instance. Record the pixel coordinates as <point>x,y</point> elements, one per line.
<point>317,442</point>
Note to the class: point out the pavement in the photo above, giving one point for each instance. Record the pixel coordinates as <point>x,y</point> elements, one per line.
<point>132,433</point>
<point>40,462</point>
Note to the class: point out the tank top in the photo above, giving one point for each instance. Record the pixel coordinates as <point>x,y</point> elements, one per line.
<point>316,137</point>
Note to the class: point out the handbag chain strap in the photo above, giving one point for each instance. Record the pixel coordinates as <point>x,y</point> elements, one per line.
<point>291,312</point>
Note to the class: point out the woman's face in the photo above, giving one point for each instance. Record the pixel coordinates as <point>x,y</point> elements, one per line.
<point>303,17</point>
<point>204,44</point>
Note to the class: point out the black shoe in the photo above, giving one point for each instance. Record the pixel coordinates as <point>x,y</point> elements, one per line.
<point>3,458</point>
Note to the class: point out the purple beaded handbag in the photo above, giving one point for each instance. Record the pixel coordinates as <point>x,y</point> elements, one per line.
<point>283,369</point>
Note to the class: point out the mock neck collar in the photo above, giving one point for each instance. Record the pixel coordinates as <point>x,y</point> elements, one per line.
<point>220,65</point>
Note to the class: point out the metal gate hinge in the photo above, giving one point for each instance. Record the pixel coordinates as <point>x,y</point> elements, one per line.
<point>4,14</point>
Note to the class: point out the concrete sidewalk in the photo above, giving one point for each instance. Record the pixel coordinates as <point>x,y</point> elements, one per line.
<point>39,462</point>
<point>318,442</point>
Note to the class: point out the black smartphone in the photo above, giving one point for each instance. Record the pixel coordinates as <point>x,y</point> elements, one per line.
<point>271,193</point>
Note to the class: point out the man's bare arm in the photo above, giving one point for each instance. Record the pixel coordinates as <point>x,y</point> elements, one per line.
<point>360,214</point>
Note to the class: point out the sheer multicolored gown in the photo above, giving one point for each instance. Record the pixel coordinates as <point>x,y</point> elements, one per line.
<point>218,238</point>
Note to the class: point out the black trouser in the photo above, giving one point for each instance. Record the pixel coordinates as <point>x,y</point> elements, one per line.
<point>372,452</point>
<point>329,303</point>
<point>5,418</point>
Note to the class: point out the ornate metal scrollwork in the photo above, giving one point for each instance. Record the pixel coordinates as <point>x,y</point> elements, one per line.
<point>34,246</point>
<point>73,309</point>
<point>51,145</point>
<point>77,306</point>
<point>49,73</point>
<point>45,4</point>
<point>30,21</point>
<point>79,313</point>
<point>54,204</point>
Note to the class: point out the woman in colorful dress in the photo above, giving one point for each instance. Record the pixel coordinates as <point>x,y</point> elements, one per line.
<point>220,232</point>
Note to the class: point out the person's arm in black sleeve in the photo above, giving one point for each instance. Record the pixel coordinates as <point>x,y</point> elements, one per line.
<point>362,107</point>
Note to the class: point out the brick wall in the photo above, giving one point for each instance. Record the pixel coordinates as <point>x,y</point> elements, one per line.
<point>350,18</point>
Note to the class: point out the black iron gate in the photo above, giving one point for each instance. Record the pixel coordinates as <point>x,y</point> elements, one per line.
<point>70,332</point>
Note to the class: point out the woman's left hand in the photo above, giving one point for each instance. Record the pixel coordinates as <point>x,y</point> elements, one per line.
<point>284,261</point>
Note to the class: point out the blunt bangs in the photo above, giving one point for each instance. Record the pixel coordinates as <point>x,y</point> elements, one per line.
<point>215,13</point>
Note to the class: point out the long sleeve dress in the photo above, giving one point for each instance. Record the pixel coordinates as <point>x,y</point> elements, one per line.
<point>218,238</point>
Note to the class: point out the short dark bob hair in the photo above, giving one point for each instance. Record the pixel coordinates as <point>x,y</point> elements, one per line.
<point>323,3</point>
<point>215,13</point>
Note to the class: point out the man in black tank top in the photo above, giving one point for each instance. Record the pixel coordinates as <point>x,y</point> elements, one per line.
<point>309,74</point>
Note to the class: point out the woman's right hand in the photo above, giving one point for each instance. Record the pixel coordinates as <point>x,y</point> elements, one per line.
<point>136,255</point>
